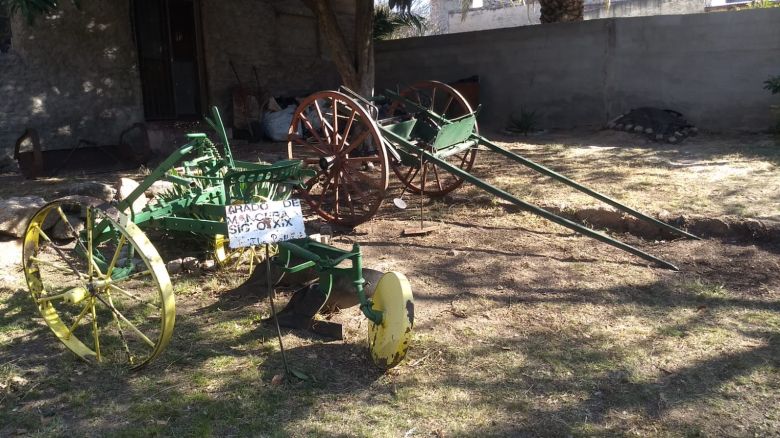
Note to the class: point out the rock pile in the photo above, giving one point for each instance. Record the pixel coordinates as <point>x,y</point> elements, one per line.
<point>656,124</point>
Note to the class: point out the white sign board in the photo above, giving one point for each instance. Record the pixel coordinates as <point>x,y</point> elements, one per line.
<point>269,222</point>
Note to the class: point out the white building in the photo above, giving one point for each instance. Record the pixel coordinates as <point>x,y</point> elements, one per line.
<point>447,15</point>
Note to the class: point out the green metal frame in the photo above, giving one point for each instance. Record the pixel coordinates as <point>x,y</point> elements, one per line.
<point>458,135</point>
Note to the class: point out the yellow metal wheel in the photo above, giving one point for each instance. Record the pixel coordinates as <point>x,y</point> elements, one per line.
<point>389,341</point>
<point>241,260</point>
<point>99,283</point>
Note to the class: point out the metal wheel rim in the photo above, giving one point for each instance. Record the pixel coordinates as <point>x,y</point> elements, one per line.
<point>105,304</point>
<point>438,182</point>
<point>344,193</point>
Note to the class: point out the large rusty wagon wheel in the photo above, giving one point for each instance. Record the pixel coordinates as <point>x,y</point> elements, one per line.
<point>444,100</point>
<point>98,282</point>
<point>337,138</point>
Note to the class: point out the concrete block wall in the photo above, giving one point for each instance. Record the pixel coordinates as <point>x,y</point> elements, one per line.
<point>72,75</point>
<point>447,15</point>
<point>711,67</point>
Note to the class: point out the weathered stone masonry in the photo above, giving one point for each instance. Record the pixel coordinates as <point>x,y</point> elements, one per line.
<point>75,74</point>
<point>72,75</point>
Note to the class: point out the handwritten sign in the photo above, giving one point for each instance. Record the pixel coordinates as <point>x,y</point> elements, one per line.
<point>269,222</point>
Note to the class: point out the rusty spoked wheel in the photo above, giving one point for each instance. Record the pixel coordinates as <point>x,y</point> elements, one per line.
<point>444,100</point>
<point>337,138</point>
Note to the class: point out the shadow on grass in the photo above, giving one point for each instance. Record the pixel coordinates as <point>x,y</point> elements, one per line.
<point>570,379</point>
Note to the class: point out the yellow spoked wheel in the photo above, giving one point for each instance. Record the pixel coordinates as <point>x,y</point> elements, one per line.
<point>99,283</point>
<point>389,341</point>
<point>239,259</point>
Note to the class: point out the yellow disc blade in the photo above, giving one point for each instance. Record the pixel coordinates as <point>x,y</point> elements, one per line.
<point>389,341</point>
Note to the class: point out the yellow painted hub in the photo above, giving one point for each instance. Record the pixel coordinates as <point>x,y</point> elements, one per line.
<point>389,341</point>
<point>104,292</point>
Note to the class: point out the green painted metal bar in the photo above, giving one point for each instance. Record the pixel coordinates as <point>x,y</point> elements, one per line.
<point>219,127</point>
<point>530,207</point>
<point>310,250</point>
<point>569,182</point>
<point>201,226</point>
<point>157,174</point>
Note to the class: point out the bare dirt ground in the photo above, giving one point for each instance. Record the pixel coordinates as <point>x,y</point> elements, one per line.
<point>522,327</point>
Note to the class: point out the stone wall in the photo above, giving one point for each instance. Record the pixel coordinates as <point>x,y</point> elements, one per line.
<point>75,74</point>
<point>72,75</point>
<point>279,38</point>
<point>711,67</point>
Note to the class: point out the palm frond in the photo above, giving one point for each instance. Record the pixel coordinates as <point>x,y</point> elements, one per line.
<point>32,9</point>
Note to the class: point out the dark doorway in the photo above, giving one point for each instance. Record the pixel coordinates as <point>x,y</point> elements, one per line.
<point>167,36</point>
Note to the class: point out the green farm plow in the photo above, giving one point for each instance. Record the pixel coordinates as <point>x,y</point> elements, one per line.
<point>103,289</point>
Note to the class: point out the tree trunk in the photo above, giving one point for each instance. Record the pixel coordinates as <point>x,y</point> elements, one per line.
<point>364,46</point>
<point>555,11</point>
<point>356,67</point>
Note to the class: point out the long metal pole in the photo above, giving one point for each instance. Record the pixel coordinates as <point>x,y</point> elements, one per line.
<point>530,207</point>
<point>273,309</point>
<point>555,175</point>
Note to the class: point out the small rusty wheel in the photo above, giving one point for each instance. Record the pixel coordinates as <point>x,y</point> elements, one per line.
<point>338,139</point>
<point>444,100</point>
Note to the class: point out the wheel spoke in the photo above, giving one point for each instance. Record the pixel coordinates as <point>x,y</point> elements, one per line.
<point>119,247</point>
<point>131,276</point>
<point>433,100</point>
<point>311,129</point>
<point>310,181</point>
<point>447,106</point>
<point>127,321</point>
<point>335,123</point>
<point>323,122</point>
<point>358,141</point>
<point>73,231</point>
<point>409,179</point>
<point>119,329</point>
<point>68,269</point>
<point>436,176</point>
<point>95,332</point>
<point>336,192</point>
<point>325,188</point>
<point>59,252</point>
<point>295,138</point>
<point>348,128</point>
<point>131,296</point>
<point>54,297</point>
<point>80,316</point>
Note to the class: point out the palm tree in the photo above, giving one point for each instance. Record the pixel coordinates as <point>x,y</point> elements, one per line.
<point>557,11</point>
<point>552,11</point>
